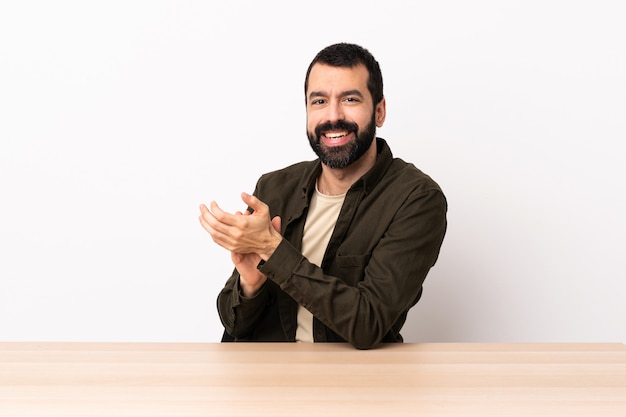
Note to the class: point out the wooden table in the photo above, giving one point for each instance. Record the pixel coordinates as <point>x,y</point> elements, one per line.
<point>267,379</point>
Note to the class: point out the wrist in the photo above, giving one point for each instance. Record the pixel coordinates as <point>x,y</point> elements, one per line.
<point>247,290</point>
<point>273,243</point>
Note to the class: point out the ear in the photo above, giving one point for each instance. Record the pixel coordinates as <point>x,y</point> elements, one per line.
<point>381,112</point>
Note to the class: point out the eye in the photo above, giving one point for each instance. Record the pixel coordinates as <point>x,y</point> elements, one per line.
<point>317,101</point>
<point>352,99</point>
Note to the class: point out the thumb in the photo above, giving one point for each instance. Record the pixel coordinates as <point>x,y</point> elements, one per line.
<point>253,202</point>
<point>276,223</point>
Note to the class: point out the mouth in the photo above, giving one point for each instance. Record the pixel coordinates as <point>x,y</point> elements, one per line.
<point>336,138</point>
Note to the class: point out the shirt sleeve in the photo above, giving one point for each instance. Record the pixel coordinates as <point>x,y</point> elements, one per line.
<point>240,314</point>
<point>389,278</point>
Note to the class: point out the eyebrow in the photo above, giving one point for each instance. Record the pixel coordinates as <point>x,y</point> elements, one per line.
<point>353,92</point>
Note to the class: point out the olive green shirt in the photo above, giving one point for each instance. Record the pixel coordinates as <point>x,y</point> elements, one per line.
<point>386,239</point>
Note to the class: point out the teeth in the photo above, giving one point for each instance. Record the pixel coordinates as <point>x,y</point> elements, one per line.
<point>336,135</point>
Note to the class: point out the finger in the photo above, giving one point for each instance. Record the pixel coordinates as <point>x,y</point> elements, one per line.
<point>253,202</point>
<point>204,213</point>
<point>218,236</point>
<point>236,257</point>
<point>214,226</point>
<point>221,216</point>
<point>276,223</point>
<point>203,208</point>
<point>215,209</point>
<point>206,218</point>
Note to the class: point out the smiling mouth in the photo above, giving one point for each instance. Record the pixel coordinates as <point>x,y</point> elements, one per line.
<point>336,135</point>
<point>337,138</point>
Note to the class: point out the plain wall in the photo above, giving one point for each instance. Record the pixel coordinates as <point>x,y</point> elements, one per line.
<point>118,118</point>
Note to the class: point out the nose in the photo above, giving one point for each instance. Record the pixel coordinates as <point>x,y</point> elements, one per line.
<point>335,111</point>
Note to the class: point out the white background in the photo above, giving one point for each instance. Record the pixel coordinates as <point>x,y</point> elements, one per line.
<point>118,118</point>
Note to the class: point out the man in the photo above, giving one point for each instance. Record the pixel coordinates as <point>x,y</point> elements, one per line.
<point>334,249</point>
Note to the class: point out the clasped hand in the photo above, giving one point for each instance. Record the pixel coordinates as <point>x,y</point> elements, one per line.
<point>248,236</point>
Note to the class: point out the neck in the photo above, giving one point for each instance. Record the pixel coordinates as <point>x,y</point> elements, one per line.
<point>337,181</point>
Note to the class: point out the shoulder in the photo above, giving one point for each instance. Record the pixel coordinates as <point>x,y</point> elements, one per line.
<point>396,176</point>
<point>403,185</point>
<point>410,193</point>
<point>402,180</point>
<point>408,176</point>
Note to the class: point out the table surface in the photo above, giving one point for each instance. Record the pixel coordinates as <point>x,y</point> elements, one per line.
<point>294,379</point>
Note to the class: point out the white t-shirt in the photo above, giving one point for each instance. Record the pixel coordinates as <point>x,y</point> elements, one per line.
<point>318,228</point>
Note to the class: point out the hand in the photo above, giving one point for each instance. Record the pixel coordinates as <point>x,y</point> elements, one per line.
<point>249,237</point>
<point>250,278</point>
<point>253,233</point>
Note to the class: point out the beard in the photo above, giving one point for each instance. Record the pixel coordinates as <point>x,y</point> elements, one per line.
<point>343,155</point>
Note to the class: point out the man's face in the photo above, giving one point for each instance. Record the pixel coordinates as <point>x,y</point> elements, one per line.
<point>341,121</point>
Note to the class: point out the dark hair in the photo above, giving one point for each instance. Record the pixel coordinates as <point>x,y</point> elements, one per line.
<point>349,55</point>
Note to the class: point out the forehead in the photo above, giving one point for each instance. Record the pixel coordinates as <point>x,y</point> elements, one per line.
<point>329,79</point>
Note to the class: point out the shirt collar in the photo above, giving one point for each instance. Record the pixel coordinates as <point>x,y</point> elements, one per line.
<point>368,181</point>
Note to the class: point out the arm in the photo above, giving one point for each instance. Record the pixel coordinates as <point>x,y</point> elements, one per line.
<point>365,293</point>
<point>248,237</point>
<point>240,314</point>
